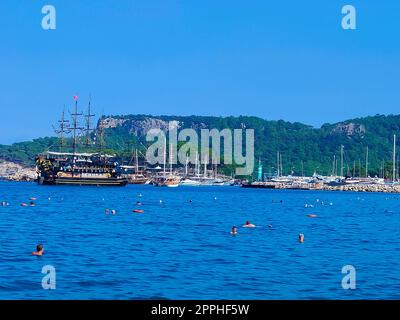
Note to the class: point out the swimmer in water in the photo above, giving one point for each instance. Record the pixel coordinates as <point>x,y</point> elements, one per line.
<point>39,250</point>
<point>107,211</point>
<point>138,203</point>
<point>113,212</point>
<point>301,238</point>
<point>32,204</point>
<point>248,224</point>
<point>234,230</point>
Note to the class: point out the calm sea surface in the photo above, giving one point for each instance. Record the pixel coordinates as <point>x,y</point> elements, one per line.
<point>182,250</point>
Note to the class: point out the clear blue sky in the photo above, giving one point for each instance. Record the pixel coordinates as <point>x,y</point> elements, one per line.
<point>282,59</point>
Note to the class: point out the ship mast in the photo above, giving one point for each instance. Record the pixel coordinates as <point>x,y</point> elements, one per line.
<point>197,165</point>
<point>205,166</point>
<point>186,165</point>
<point>165,154</point>
<point>366,164</point>
<point>137,162</point>
<point>74,129</point>
<point>170,159</point>
<point>277,164</point>
<point>394,158</point>
<point>341,160</point>
<point>61,130</point>
<point>88,123</point>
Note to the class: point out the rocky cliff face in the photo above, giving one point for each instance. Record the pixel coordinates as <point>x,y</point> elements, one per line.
<point>15,172</point>
<point>139,127</point>
<point>349,129</point>
<point>110,122</point>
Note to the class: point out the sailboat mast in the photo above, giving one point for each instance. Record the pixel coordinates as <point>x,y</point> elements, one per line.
<point>277,164</point>
<point>205,166</point>
<point>334,165</point>
<point>197,164</point>
<point>366,164</point>
<point>341,160</point>
<point>137,161</point>
<point>394,158</point>
<point>170,158</point>
<point>165,154</point>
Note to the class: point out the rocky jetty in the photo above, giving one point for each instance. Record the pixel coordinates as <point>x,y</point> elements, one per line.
<point>355,187</point>
<point>364,187</point>
<point>15,172</point>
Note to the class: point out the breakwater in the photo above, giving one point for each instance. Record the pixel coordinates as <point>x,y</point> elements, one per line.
<point>356,187</point>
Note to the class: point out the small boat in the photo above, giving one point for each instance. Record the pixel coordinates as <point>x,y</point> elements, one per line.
<point>138,179</point>
<point>133,174</point>
<point>168,181</point>
<point>189,182</point>
<point>171,180</point>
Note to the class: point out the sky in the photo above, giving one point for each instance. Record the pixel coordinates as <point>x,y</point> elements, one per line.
<point>282,59</point>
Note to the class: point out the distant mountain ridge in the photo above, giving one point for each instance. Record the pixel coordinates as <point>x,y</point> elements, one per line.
<point>301,145</point>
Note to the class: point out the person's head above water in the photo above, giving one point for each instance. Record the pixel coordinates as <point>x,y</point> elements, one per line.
<point>39,250</point>
<point>248,224</point>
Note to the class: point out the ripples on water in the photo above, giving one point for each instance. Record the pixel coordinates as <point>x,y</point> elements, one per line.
<point>182,250</point>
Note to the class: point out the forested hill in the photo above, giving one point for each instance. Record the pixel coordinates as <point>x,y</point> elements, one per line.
<point>296,142</point>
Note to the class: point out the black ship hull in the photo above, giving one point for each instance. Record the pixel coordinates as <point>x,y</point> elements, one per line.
<point>79,181</point>
<point>258,186</point>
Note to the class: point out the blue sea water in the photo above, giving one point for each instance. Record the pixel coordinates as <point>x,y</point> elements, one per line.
<point>183,250</point>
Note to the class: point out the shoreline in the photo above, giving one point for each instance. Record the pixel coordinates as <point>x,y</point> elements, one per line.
<point>11,171</point>
<point>361,187</point>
